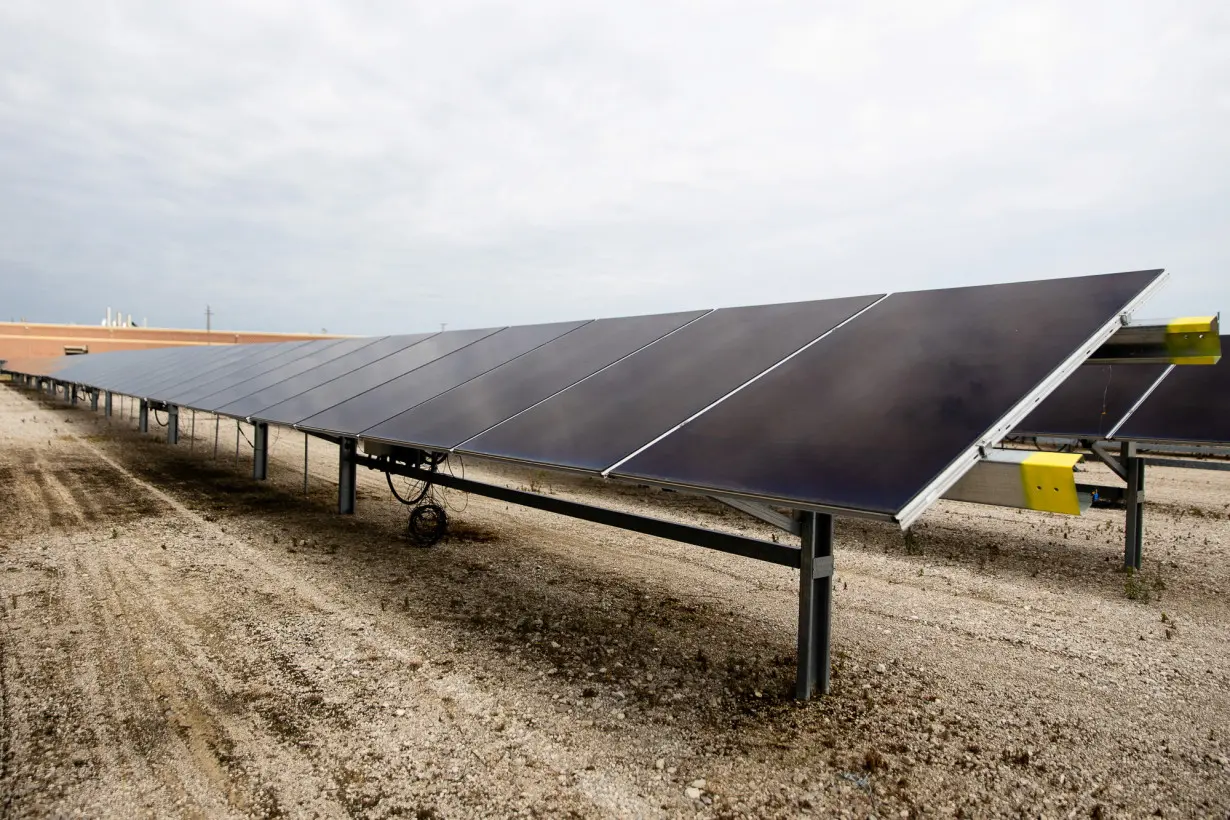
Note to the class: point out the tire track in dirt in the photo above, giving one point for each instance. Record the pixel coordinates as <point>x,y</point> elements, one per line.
<point>471,701</point>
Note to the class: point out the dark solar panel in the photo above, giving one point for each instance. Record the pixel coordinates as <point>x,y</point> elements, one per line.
<point>605,418</point>
<point>872,415</point>
<point>200,363</point>
<point>318,399</point>
<point>327,372</point>
<point>301,365</point>
<point>473,407</point>
<point>198,389</point>
<point>97,367</point>
<point>387,400</point>
<point>174,375</point>
<point>1092,401</point>
<point>1190,406</point>
<point>129,366</point>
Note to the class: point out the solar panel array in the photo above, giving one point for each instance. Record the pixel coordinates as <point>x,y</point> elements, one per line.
<point>858,404</point>
<point>1151,403</point>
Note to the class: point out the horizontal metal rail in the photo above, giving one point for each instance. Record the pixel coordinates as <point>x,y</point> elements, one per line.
<point>783,554</point>
<point>1185,464</point>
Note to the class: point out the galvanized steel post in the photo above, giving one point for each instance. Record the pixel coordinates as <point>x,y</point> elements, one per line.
<point>815,604</point>
<point>1134,527</point>
<point>143,418</point>
<point>260,451</point>
<point>172,424</point>
<point>346,475</point>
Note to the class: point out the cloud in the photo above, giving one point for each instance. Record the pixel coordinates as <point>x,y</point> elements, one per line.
<point>379,167</point>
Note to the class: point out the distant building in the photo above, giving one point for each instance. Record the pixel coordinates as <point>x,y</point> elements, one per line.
<point>20,339</point>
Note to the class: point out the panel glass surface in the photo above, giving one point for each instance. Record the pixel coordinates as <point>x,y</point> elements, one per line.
<point>603,419</point>
<point>133,366</point>
<point>285,371</point>
<point>1092,401</point>
<point>430,380</point>
<point>130,365</point>
<point>360,380</point>
<point>157,382</point>
<point>1190,406</point>
<point>463,413</point>
<point>869,417</point>
<point>193,363</point>
<point>72,366</point>
<point>250,406</point>
<point>90,368</point>
<point>187,395</point>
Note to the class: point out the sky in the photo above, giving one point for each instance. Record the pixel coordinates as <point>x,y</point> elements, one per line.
<point>383,166</point>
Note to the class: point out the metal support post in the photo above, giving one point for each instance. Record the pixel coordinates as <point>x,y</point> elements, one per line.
<point>72,393</point>
<point>192,432</point>
<point>217,424</point>
<point>815,604</point>
<point>260,451</point>
<point>305,465</point>
<point>347,450</point>
<point>1134,528</point>
<point>94,400</point>
<point>143,419</point>
<point>172,424</point>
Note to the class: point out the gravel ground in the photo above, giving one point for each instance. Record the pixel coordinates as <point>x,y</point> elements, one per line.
<point>179,640</point>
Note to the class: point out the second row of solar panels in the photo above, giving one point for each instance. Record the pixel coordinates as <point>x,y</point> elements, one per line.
<point>1183,404</point>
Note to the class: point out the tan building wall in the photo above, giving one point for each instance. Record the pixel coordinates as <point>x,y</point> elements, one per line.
<point>22,339</point>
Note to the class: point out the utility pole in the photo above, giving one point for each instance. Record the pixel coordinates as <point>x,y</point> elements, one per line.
<point>208,324</point>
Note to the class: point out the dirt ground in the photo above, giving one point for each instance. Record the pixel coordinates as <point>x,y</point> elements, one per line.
<point>179,640</point>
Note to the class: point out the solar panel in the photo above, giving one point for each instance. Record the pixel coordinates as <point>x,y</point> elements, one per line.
<point>479,404</point>
<point>190,364</point>
<point>247,387</point>
<point>1190,406</point>
<point>601,420</point>
<point>91,367</point>
<point>126,366</point>
<point>336,391</point>
<point>872,416</point>
<point>1092,401</point>
<point>189,394</point>
<point>294,385</point>
<point>413,388</point>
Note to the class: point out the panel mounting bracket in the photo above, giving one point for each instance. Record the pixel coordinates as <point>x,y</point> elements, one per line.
<point>761,511</point>
<point>1099,449</point>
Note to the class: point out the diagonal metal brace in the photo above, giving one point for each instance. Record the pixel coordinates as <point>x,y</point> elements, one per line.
<point>1099,449</point>
<point>763,512</point>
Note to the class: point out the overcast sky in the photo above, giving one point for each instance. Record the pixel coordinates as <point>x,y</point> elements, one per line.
<point>375,167</point>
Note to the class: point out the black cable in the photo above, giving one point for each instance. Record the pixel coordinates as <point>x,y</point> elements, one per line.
<point>428,523</point>
<point>409,502</point>
<point>156,421</point>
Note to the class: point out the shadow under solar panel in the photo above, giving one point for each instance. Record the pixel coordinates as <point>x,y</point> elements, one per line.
<point>874,415</point>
